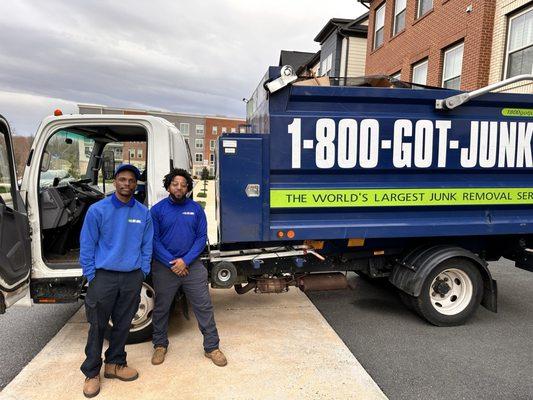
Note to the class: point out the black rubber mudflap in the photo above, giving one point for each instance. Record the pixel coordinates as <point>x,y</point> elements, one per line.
<point>2,304</point>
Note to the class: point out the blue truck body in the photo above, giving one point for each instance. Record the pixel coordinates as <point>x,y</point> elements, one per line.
<point>339,162</point>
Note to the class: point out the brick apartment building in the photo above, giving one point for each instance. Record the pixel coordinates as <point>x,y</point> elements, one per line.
<point>432,42</point>
<point>192,127</point>
<point>459,44</point>
<point>214,127</point>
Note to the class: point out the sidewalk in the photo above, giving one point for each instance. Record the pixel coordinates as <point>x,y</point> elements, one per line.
<point>278,347</point>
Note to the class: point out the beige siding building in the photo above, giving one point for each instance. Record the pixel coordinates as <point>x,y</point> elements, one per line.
<point>356,56</point>
<point>342,49</point>
<point>512,44</point>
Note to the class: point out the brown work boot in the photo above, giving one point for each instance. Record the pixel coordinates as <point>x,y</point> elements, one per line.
<point>91,387</point>
<point>122,372</point>
<point>217,357</point>
<point>159,355</point>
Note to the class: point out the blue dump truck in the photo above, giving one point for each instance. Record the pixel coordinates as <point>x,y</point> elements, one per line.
<point>421,187</point>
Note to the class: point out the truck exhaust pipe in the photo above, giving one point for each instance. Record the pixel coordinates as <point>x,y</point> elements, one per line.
<point>323,281</point>
<point>245,289</point>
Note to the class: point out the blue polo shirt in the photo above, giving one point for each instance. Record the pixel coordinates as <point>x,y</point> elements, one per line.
<point>180,230</point>
<point>116,236</point>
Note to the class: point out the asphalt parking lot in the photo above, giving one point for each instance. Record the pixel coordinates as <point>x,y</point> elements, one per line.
<point>491,357</point>
<point>25,331</point>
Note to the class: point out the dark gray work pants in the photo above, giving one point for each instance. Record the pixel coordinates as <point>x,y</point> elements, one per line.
<point>166,284</point>
<point>114,295</point>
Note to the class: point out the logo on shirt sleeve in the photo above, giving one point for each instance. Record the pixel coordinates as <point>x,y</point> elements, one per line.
<point>187,213</point>
<point>134,221</point>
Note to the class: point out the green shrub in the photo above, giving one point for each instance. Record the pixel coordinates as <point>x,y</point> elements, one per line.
<point>202,203</point>
<point>201,194</point>
<point>205,174</point>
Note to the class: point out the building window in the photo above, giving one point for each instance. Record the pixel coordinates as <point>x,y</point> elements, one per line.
<point>233,130</point>
<point>212,159</point>
<point>453,61</point>
<point>88,151</point>
<point>399,16</point>
<point>199,157</point>
<point>132,153</point>
<point>214,131</point>
<point>224,130</point>
<point>198,143</point>
<point>242,129</point>
<point>420,72</point>
<point>325,67</point>
<point>200,130</point>
<point>519,53</point>
<point>184,129</point>
<point>379,23</point>
<point>139,153</point>
<point>397,75</point>
<point>423,7</point>
<point>212,144</point>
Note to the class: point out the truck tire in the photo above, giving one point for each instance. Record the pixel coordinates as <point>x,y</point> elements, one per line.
<point>141,326</point>
<point>450,294</point>
<point>223,275</point>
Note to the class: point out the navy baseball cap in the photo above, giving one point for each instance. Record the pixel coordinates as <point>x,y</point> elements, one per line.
<point>128,167</point>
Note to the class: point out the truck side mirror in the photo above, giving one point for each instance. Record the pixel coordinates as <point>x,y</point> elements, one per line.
<point>109,165</point>
<point>46,161</point>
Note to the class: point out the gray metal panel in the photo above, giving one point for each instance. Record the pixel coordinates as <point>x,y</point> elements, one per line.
<point>330,46</point>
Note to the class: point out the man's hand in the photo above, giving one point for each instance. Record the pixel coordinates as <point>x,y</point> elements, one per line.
<point>179,267</point>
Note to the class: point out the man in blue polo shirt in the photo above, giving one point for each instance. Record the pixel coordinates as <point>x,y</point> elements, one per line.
<point>180,234</point>
<point>115,254</point>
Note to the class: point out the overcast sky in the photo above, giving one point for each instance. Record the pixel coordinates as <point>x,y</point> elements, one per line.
<point>199,56</point>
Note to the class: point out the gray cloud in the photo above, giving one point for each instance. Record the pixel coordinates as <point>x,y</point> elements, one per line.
<point>195,57</point>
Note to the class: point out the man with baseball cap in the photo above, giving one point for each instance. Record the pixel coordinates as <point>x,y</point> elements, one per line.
<point>115,255</point>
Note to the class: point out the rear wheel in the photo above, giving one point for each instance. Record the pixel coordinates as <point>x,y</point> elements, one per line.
<point>450,294</point>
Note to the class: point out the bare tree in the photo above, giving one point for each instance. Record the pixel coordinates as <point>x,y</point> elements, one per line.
<point>21,148</point>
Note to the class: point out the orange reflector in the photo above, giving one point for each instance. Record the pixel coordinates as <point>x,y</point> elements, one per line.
<point>46,300</point>
<point>58,112</point>
<point>356,242</point>
<point>315,244</point>
<point>290,234</point>
<point>379,252</point>
<point>280,234</point>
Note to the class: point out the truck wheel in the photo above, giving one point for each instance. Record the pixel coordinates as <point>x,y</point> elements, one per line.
<point>141,326</point>
<point>223,275</point>
<point>450,294</point>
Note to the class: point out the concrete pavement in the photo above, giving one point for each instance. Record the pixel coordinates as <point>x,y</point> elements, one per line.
<point>278,347</point>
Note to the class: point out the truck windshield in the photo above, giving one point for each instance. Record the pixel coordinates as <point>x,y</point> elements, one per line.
<point>69,157</point>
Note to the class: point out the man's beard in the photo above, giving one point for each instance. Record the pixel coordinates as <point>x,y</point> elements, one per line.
<point>176,199</point>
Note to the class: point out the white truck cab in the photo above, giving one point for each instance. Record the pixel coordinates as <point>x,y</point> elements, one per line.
<point>69,168</point>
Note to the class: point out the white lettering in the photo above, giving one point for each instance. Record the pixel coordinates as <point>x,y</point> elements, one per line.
<point>347,152</point>
<point>401,153</point>
<point>423,143</point>
<point>369,144</point>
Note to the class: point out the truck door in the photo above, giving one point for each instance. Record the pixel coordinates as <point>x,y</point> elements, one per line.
<point>15,256</point>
